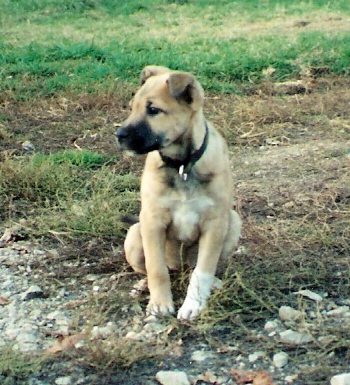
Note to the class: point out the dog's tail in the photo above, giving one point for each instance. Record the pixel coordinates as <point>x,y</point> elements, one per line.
<point>128,219</point>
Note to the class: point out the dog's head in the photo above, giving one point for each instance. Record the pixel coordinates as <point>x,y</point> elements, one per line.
<point>161,111</point>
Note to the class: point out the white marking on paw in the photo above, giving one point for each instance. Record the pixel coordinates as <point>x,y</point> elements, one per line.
<point>197,293</point>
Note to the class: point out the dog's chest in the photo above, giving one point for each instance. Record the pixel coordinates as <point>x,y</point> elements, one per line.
<point>187,204</point>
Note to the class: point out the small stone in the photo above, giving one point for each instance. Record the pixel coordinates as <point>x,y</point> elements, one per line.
<point>341,379</point>
<point>287,313</point>
<point>63,381</point>
<point>272,325</point>
<point>32,292</point>
<point>294,338</point>
<point>151,318</point>
<point>201,355</point>
<point>255,356</point>
<point>26,342</point>
<point>172,378</point>
<point>103,331</point>
<point>290,379</point>
<point>280,359</point>
<point>133,336</point>
<point>154,328</point>
<point>310,294</point>
<point>28,146</point>
<point>338,312</point>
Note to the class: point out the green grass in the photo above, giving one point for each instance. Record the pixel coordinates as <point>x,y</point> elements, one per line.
<point>102,43</point>
<point>71,192</point>
<point>67,71</point>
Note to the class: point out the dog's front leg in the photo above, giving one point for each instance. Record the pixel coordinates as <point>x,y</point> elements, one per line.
<point>153,239</point>
<point>201,281</point>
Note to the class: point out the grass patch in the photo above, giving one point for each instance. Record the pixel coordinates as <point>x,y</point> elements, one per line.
<point>193,36</point>
<point>82,159</point>
<point>64,194</point>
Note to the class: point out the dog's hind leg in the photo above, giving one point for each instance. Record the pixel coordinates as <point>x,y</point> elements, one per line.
<point>233,234</point>
<point>133,249</point>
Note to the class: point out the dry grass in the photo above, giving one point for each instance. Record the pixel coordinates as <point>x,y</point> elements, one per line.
<point>290,160</point>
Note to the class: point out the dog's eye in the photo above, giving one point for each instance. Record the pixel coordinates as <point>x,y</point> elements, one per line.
<point>153,110</point>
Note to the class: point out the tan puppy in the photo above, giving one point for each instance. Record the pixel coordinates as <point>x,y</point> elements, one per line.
<point>186,189</point>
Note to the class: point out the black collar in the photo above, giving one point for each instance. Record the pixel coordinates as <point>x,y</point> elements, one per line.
<point>185,165</point>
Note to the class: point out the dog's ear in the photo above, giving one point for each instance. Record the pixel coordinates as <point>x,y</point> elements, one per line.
<point>185,87</point>
<point>149,71</point>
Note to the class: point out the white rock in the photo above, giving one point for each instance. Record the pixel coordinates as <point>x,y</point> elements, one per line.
<point>172,378</point>
<point>287,313</point>
<point>63,381</point>
<point>32,292</point>
<point>26,342</point>
<point>154,328</point>
<point>310,294</point>
<point>290,379</point>
<point>280,359</point>
<point>339,311</point>
<point>151,318</point>
<point>255,356</point>
<point>201,355</point>
<point>341,379</point>
<point>134,336</point>
<point>294,338</point>
<point>272,325</point>
<point>103,331</point>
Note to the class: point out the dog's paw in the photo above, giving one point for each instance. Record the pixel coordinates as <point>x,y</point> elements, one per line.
<point>158,307</point>
<point>197,294</point>
<point>190,309</point>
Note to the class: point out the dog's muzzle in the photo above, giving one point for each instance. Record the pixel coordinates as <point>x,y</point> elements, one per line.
<point>138,138</point>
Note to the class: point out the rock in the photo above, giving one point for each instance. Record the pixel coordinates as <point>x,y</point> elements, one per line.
<point>280,359</point>
<point>341,379</point>
<point>154,328</point>
<point>134,336</point>
<point>32,292</point>
<point>201,355</point>
<point>294,338</point>
<point>290,379</point>
<point>103,331</point>
<point>287,313</point>
<point>255,356</point>
<point>28,146</point>
<point>63,381</point>
<point>338,312</point>
<point>172,378</point>
<point>290,88</point>
<point>151,318</point>
<point>26,342</point>
<point>310,294</point>
<point>272,325</point>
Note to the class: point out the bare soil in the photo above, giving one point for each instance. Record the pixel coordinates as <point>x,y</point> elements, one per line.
<point>291,163</point>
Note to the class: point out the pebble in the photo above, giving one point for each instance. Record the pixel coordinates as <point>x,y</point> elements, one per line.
<point>338,312</point>
<point>172,378</point>
<point>310,294</point>
<point>280,359</point>
<point>272,325</point>
<point>287,313</point>
<point>201,355</point>
<point>294,338</point>
<point>63,381</point>
<point>32,292</point>
<point>341,379</point>
<point>255,356</point>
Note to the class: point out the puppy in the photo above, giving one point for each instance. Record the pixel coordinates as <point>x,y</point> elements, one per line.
<point>186,189</point>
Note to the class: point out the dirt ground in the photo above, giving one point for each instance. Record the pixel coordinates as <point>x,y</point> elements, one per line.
<point>291,161</point>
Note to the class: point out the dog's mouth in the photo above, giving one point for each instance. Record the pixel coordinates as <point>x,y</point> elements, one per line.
<point>138,138</point>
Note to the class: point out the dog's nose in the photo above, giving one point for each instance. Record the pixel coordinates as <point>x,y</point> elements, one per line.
<point>122,133</point>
